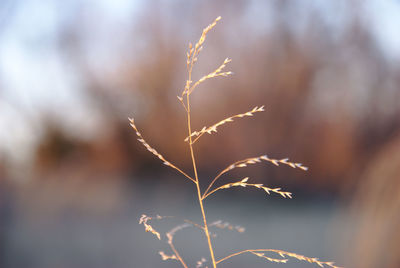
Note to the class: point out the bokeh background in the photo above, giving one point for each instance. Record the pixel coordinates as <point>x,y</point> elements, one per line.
<point>74,180</point>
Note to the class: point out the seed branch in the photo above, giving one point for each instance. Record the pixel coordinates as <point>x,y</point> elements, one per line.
<point>254,160</point>
<point>243,183</point>
<point>153,151</point>
<point>214,127</point>
<point>283,254</point>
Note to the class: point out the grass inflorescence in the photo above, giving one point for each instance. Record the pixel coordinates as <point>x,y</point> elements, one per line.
<point>193,136</point>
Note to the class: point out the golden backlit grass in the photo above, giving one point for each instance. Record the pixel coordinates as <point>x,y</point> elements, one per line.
<point>192,137</point>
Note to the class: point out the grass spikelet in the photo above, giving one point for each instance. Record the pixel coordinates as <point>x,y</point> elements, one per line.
<point>214,127</point>
<point>283,254</point>
<point>216,73</point>
<point>145,144</point>
<point>153,151</point>
<point>200,263</point>
<point>177,228</point>
<point>144,219</point>
<point>198,47</point>
<point>251,161</point>
<point>262,255</point>
<point>243,183</point>
<point>255,160</point>
<point>226,225</point>
<point>304,258</point>
<point>165,257</point>
<point>192,57</point>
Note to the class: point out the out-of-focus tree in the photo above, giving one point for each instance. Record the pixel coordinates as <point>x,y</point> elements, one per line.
<point>329,90</point>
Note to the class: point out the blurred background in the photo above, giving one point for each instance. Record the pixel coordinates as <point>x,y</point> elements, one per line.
<point>74,180</point>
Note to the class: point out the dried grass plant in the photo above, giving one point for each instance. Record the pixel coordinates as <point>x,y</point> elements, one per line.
<point>193,136</point>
